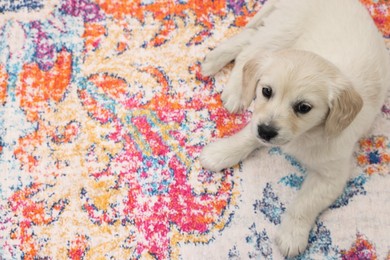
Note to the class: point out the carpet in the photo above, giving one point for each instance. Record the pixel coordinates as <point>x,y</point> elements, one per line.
<point>103,114</point>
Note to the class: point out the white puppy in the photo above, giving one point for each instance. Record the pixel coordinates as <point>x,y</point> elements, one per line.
<point>319,72</point>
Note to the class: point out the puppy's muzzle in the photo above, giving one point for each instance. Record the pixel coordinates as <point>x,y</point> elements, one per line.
<point>266,132</point>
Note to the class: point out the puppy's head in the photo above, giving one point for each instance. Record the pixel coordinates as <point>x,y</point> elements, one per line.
<point>295,92</point>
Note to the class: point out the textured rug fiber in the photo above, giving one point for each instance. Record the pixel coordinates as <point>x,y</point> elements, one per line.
<point>103,114</point>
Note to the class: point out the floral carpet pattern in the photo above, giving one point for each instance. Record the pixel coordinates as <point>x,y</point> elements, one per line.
<point>103,114</point>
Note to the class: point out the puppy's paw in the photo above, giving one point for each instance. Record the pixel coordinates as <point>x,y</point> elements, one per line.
<point>208,68</point>
<point>216,60</point>
<point>232,101</point>
<point>217,156</point>
<point>292,236</point>
<point>211,64</point>
<point>232,95</point>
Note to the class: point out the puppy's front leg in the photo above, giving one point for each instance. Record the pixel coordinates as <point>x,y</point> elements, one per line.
<point>318,192</point>
<point>233,91</point>
<point>229,151</point>
<point>228,50</point>
<point>265,11</point>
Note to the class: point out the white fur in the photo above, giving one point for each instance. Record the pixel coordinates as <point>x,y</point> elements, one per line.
<point>311,50</point>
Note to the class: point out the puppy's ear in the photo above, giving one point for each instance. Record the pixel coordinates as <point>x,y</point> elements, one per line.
<point>344,108</point>
<point>251,75</point>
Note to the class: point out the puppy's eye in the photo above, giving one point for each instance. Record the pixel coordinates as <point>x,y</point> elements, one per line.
<point>267,92</point>
<point>302,108</point>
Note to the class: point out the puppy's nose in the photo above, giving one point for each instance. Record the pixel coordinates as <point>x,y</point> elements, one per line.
<point>266,132</point>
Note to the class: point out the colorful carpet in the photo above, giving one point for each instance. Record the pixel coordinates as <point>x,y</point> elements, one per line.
<point>103,114</point>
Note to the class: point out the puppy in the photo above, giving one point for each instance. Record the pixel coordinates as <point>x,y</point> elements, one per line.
<point>318,72</point>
